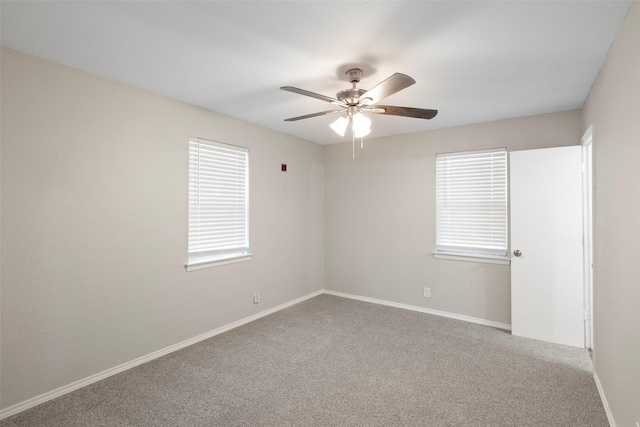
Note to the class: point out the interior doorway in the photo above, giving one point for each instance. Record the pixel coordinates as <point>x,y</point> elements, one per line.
<point>587,221</point>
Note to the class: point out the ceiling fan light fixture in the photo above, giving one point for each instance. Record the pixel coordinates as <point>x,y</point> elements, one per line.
<point>361,133</point>
<point>361,123</point>
<point>340,125</point>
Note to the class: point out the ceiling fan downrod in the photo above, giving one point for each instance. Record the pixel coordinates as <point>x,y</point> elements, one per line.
<point>354,75</point>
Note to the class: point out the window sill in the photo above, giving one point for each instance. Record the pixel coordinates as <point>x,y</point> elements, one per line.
<point>208,263</point>
<point>486,259</point>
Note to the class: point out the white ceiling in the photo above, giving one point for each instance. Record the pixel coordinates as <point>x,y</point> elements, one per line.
<point>474,61</point>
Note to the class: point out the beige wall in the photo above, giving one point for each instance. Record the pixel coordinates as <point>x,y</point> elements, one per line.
<point>380,216</point>
<point>94,220</point>
<point>613,107</point>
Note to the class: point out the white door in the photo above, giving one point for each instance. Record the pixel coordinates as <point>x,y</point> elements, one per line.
<point>546,244</point>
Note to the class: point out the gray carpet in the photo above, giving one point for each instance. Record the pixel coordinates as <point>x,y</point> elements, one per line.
<point>331,361</point>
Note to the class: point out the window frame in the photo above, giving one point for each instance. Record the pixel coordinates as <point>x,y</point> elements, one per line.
<point>470,252</point>
<point>197,260</point>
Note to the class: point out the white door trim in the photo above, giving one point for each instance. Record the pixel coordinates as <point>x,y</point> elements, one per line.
<point>587,221</point>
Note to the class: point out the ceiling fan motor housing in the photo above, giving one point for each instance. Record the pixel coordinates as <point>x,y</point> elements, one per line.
<point>350,96</point>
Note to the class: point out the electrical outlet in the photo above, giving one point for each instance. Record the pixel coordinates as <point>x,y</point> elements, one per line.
<point>256,298</point>
<point>426,293</point>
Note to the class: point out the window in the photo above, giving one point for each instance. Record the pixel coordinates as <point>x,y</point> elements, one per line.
<point>471,205</point>
<point>218,204</point>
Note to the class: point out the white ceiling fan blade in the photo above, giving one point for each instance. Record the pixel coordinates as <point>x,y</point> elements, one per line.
<point>389,86</point>
<point>307,116</point>
<point>313,95</point>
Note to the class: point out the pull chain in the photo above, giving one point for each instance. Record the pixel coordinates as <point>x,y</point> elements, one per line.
<point>353,145</point>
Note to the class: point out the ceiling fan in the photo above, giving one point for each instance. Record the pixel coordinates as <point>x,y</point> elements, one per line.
<point>356,100</point>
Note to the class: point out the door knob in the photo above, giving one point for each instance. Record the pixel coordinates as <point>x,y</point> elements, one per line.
<point>517,253</point>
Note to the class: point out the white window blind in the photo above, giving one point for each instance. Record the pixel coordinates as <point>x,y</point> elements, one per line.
<point>218,201</point>
<point>471,203</point>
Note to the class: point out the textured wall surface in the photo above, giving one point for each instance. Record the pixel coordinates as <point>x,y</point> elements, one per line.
<point>94,225</point>
<point>380,216</point>
<point>613,108</point>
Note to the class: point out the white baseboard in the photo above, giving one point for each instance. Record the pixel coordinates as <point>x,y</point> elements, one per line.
<point>422,310</point>
<point>603,397</point>
<point>34,401</point>
<point>30,403</point>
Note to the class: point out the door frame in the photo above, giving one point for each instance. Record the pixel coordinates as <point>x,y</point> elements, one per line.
<point>586,143</point>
